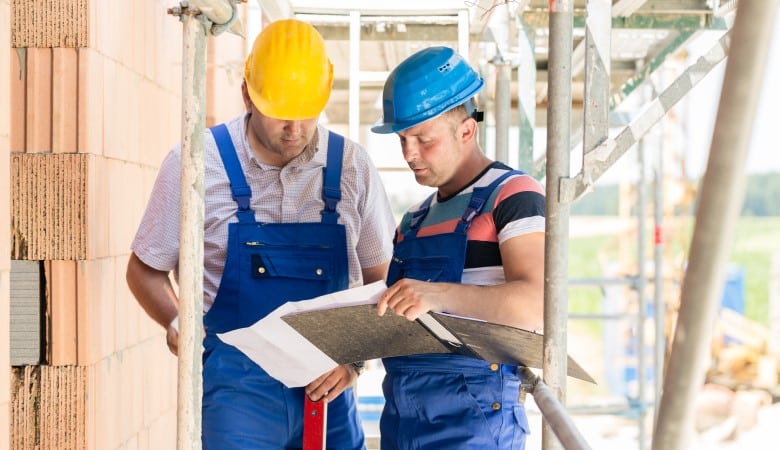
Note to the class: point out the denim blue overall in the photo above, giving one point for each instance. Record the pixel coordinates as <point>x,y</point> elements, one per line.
<point>267,265</point>
<point>446,401</point>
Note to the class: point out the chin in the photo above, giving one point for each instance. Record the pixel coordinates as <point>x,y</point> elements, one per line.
<point>423,181</point>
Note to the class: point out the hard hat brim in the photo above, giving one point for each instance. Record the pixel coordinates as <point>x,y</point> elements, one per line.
<point>388,128</point>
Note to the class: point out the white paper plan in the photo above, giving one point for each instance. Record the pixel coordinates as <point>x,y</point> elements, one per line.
<point>283,352</point>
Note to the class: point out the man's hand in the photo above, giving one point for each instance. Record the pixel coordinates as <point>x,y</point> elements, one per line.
<point>331,384</point>
<point>413,298</point>
<point>172,337</point>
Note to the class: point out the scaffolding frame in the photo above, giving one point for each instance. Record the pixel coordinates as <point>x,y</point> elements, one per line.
<point>723,185</point>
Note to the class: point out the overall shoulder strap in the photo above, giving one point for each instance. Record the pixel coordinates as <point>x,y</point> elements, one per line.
<point>239,188</point>
<point>418,216</point>
<point>331,178</point>
<point>478,199</point>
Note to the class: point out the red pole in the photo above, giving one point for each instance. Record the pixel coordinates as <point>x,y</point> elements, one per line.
<point>314,424</point>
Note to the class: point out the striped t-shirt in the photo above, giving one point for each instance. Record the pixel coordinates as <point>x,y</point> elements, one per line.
<point>515,208</point>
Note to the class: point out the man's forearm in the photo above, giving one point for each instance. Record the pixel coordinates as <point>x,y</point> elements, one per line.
<point>153,290</point>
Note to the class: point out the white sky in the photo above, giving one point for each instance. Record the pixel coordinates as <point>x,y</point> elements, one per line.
<point>764,153</point>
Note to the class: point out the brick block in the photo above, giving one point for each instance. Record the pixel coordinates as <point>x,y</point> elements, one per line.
<point>114,119</point>
<point>125,112</point>
<point>225,73</point>
<point>38,107</point>
<point>127,321</point>
<point>159,375</point>
<point>48,206</point>
<point>62,299</point>
<point>5,224</point>
<point>5,341</point>
<point>127,329</point>
<point>98,212</point>
<point>90,419</point>
<point>96,315</point>
<point>6,110</point>
<point>5,74</point>
<point>105,414</point>
<point>110,30</point>
<point>135,386</point>
<point>49,23</point>
<point>5,420</point>
<point>143,439</point>
<point>48,407</point>
<point>90,101</point>
<point>64,100</point>
<point>130,390</point>
<point>124,205</point>
<point>18,113</point>
<point>160,432</point>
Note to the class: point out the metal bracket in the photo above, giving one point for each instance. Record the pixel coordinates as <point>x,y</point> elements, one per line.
<point>217,29</point>
<point>183,9</point>
<point>528,381</point>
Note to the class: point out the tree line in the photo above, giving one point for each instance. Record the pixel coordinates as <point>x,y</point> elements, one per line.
<point>762,198</point>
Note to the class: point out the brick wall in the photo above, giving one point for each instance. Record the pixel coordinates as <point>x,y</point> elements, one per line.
<point>5,266</point>
<point>87,125</point>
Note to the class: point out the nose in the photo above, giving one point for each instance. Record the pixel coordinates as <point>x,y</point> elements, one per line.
<point>293,127</point>
<point>408,151</point>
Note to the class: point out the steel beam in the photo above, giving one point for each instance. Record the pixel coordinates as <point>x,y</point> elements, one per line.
<point>605,155</point>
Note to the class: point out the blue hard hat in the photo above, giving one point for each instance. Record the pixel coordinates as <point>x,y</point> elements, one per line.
<point>424,85</point>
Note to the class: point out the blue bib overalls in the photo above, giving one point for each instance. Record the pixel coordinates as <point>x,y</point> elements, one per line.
<point>267,265</point>
<point>447,401</point>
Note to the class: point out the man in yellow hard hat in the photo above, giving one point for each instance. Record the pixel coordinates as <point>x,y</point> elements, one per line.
<point>474,248</point>
<point>292,211</point>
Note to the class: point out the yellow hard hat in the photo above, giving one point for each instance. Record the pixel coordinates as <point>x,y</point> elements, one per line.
<point>288,74</point>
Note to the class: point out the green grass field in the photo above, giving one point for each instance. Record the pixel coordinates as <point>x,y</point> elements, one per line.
<point>756,240</point>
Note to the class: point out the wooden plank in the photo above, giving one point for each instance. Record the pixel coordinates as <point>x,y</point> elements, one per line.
<point>743,330</point>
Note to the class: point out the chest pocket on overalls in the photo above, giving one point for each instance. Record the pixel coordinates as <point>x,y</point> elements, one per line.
<point>314,263</point>
<point>432,268</point>
<point>303,267</point>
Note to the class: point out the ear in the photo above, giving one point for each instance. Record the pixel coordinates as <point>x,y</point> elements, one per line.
<point>468,130</point>
<point>245,96</point>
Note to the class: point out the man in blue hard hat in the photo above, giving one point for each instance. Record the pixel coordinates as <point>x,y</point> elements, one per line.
<point>474,248</point>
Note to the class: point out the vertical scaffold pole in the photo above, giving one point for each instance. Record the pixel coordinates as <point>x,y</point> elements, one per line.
<point>557,229</point>
<point>190,386</point>
<point>722,192</point>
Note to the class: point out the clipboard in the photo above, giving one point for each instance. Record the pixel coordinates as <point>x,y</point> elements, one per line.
<point>356,333</point>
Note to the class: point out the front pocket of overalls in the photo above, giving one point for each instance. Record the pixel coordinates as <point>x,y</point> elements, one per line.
<point>522,429</point>
<point>447,411</point>
<point>294,266</point>
<point>425,269</point>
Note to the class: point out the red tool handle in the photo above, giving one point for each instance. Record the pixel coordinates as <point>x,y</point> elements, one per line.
<point>314,424</point>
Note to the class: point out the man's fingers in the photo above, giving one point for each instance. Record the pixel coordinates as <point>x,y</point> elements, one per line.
<point>381,307</point>
<point>330,385</point>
